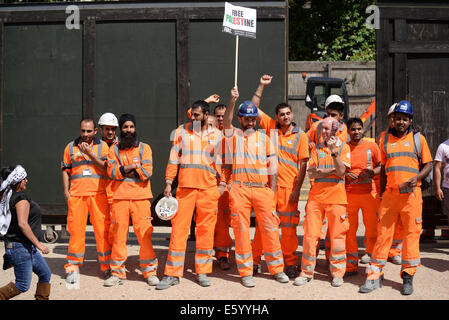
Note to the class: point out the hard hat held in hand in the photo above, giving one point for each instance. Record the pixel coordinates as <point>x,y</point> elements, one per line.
<point>166,208</point>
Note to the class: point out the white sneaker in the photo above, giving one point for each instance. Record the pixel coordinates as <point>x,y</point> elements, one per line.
<point>281,277</point>
<point>300,281</point>
<point>152,280</point>
<point>112,281</point>
<point>72,277</point>
<point>337,282</point>
<point>365,259</point>
<point>396,260</point>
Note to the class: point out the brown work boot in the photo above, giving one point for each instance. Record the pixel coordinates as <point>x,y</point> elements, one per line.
<point>9,291</point>
<point>42,291</point>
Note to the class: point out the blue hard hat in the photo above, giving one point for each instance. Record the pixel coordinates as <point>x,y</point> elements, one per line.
<point>404,107</point>
<point>247,109</point>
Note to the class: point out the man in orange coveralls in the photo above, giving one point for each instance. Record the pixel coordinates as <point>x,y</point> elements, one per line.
<point>328,163</point>
<point>84,171</point>
<point>253,168</point>
<point>293,153</point>
<point>195,153</point>
<point>130,165</point>
<point>394,255</point>
<point>402,154</point>
<point>361,192</point>
<point>335,107</point>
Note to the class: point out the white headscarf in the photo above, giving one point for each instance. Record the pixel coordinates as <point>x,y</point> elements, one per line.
<point>17,175</point>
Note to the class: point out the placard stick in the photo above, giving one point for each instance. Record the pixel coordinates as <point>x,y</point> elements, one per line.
<point>236,59</point>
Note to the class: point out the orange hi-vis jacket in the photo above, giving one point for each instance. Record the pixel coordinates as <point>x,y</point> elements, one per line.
<point>86,179</point>
<point>247,155</point>
<point>291,148</point>
<point>314,133</point>
<point>329,190</point>
<point>400,159</point>
<point>139,186</point>
<point>197,156</point>
<point>364,156</point>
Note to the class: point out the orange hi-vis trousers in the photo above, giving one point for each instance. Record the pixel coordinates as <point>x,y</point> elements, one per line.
<point>369,204</point>
<point>140,212</point>
<point>79,208</point>
<point>338,227</point>
<point>205,201</point>
<point>407,207</point>
<point>289,220</point>
<point>396,246</point>
<point>242,199</point>
<point>222,239</point>
<point>395,249</point>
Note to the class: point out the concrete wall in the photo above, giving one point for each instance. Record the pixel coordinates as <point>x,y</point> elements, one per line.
<point>360,83</point>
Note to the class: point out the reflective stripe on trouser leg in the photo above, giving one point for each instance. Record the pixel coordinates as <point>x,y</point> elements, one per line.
<point>222,239</point>
<point>338,227</point>
<point>289,220</point>
<point>312,229</point>
<point>120,212</point>
<point>76,226</point>
<point>396,245</point>
<point>205,220</point>
<point>143,229</point>
<point>262,200</point>
<point>186,197</point>
<point>240,203</point>
<point>101,220</point>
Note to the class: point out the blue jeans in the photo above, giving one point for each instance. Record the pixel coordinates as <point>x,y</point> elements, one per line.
<point>26,259</point>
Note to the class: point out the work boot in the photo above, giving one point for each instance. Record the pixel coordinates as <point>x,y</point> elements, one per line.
<point>396,260</point>
<point>203,280</point>
<point>300,281</point>
<point>72,277</point>
<point>42,291</point>
<point>106,274</point>
<point>248,281</point>
<point>365,259</point>
<point>371,285</point>
<point>281,277</point>
<point>407,284</point>
<point>167,282</point>
<point>223,263</point>
<point>257,268</point>
<point>337,282</point>
<point>112,281</point>
<point>152,280</point>
<point>292,272</point>
<point>9,291</point>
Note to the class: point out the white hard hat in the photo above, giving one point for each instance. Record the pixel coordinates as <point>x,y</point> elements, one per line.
<point>332,99</point>
<point>391,110</point>
<point>108,119</point>
<point>166,208</point>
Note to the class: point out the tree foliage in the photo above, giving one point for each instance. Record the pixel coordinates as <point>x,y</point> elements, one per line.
<point>330,30</point>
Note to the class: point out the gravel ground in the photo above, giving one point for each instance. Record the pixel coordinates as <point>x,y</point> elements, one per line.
<point>430,283</point>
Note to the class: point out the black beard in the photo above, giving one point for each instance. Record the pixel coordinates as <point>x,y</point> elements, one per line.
<point>127,141</point>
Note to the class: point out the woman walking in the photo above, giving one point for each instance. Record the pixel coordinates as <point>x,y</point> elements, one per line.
<point>20,224</point>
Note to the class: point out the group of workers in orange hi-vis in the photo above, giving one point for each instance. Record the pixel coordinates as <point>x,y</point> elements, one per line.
<point>226,173</point>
